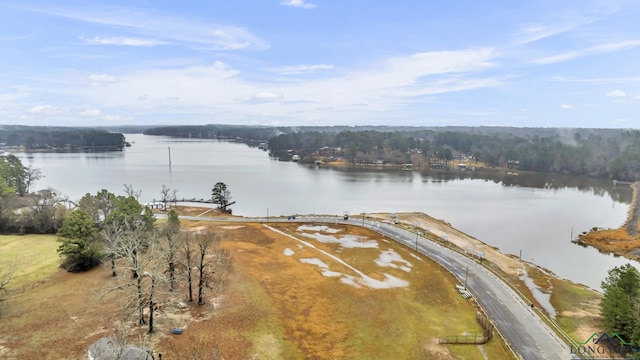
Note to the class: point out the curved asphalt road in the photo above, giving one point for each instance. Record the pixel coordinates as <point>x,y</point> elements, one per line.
<point>528,336</point>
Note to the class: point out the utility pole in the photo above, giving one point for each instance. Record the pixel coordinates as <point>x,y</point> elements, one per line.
<point>466,272</point>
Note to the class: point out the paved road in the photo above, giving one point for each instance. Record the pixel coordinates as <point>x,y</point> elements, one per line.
<point>529,337</point>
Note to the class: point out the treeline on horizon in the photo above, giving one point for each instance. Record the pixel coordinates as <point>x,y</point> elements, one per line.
<point>33,138</point>
<point>604,153</point>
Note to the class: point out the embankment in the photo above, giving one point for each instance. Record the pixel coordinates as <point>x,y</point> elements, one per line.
<point>623,241</point>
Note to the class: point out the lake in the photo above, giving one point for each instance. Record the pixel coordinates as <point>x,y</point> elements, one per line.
<point>535,214</point>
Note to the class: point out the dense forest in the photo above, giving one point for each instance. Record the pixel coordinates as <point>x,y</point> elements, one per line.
<point>608,153</point>
<point>37,138</point>
<point>245,132</point>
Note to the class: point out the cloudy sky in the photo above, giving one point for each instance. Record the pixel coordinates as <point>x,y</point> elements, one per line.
<point>547,63</point>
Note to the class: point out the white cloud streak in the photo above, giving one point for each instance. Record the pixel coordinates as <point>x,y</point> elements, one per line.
<point>95,113</point>
<point>122,41</point>
<point>598,49</point>
<point>530,33</point>
<point>99,79</point>
<point>267,96</point>
<point>299,4</point>
<point>48,110</point>
<point>159,28</point>
<point>302,69</point>
<point>616,93</point>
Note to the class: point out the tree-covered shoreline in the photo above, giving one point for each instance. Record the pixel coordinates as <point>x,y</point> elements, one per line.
<point>52,139</point>
<point>601,153</point>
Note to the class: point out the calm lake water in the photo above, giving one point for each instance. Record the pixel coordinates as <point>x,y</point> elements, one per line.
<point>536,214</point>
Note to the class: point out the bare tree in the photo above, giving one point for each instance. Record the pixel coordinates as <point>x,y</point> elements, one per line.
<point>201,251</point>
<point>188,255</point>
<point>165,196</point>
<point>138,258</point>
<point>31,175</point>
<point>155,279</point>
<point>171,245</point>
<point>204,243</point>
<point>174,197</point>
<point>111,237</point>
<point>128,189</point>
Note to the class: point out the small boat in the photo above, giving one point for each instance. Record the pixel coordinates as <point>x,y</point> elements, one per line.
<point>295,158</point>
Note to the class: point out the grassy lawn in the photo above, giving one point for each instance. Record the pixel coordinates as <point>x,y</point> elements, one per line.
<point>34,257</point>
<point>578,309</point>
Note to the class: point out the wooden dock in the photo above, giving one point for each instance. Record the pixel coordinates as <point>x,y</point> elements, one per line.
<point>159,204</point>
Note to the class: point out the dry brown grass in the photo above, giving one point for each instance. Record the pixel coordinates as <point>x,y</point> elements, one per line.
<point>615,241</point>
<point>274,307</point>
<point>298,313</point>
<point>58,318</point>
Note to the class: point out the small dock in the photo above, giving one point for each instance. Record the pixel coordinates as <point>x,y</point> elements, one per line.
<point>159,204</point>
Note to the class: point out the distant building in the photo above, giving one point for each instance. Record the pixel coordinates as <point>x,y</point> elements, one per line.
<point>513,164</point>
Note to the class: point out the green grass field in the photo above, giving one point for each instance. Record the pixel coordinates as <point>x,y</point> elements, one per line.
<point>32,257</point>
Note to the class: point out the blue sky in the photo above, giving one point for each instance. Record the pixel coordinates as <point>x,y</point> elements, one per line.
<point>321,62</point>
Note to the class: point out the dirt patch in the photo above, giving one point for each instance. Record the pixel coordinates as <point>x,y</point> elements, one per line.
<point>434,350</point>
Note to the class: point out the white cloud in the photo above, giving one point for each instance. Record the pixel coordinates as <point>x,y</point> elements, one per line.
<point>616,93</point>
<point>92,113</point>
<point>122,41</point>
<point>48,110</point>
<point>612,80</point>
<point>534,32</point>
<point>597,49</point>
<point>302,69</point>
<point>155,28</point>
<point>99,114</point>
<point>100,79</point>
<point>298,4</point>
<point>566,106</point>
<point>441,62</point>
<point>267,96</point>
<point>386,85</point>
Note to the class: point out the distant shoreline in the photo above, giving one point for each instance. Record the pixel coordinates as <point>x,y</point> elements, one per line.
<point>65,150</point>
